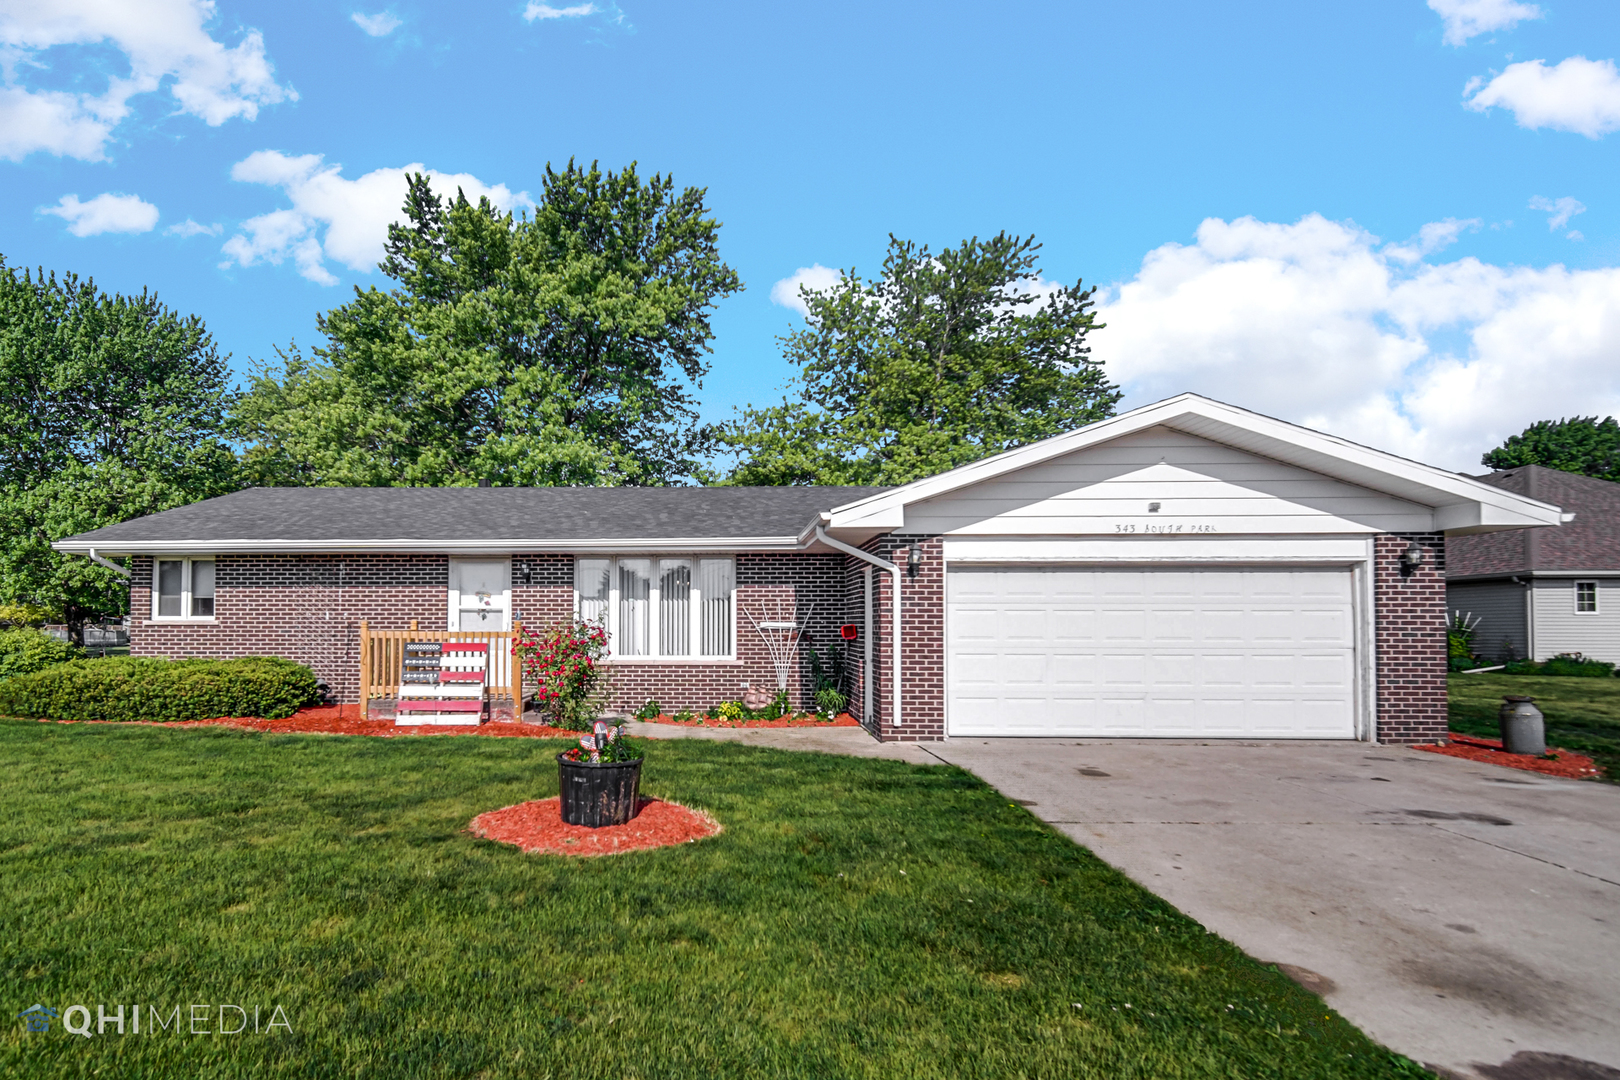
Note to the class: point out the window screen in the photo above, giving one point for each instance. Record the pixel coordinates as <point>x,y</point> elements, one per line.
<point>715,584</point>
<point>675,607</point>
<point>170,582</point>
<point>591,579</point>
<point>202,590</point>
<point>635,593</point>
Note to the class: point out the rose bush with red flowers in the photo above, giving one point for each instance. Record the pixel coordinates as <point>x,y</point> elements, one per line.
<point>564,665</point>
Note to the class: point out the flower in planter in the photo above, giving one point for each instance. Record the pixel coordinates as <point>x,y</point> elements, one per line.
<point>604,744</point>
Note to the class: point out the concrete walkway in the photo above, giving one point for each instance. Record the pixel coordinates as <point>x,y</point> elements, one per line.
<point>1466,915</point>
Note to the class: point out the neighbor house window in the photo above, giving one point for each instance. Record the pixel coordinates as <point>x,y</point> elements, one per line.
<point>1586,598</point>
<point>676,607</point>
<point>183,589</point>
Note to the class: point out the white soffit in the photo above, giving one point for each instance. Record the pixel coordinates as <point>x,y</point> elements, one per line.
<point>1461,503</point>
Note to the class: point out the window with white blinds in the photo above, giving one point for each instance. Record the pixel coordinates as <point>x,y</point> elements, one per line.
<point>183,589</point>
<point>675,607</point>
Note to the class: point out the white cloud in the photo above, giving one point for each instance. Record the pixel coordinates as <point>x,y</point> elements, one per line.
<point>546,11</point>
<point>1559,210</point>
<point>106,213</point>
<point>1469,18</point>
<point>816,278</point>
<point>379,25</point>
<point>165,43</point>
<point>332,218</point>
<point>188,228</point>
<point>1435,236</point>
<point>1313,323</point>
<point>1578,95</point>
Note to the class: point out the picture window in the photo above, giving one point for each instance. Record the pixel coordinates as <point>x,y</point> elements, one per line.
<point>671,607</point>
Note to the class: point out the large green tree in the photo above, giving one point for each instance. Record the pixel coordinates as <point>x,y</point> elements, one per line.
<point>561,348</point>
<point>1581,444</point>
<point>110,407</point>
<point>940,360</point>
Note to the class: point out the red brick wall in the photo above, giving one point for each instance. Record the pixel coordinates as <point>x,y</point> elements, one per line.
<point>308,608</point>
<point>305,608</point>
<point>922,648</point>
<point>1410,628</point>
<point>809,586</point>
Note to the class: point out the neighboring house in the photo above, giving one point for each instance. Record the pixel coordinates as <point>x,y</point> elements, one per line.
<point>1541,592</point>
<point>1187,570</point>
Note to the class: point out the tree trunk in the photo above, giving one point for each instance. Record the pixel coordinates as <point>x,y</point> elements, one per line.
<point>74,617</point>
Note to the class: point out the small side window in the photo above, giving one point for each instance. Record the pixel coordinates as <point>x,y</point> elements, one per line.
<point>183,589</point>
<point>170,586</point>
<point>1586,598</point>
<point>202,590</point>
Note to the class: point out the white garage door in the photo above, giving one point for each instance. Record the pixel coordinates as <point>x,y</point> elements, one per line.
<point>1213,653</point>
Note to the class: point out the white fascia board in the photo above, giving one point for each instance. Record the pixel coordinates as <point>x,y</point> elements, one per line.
<point>435,547</point>
<point>1328,455</point>
<point>1465,518</point>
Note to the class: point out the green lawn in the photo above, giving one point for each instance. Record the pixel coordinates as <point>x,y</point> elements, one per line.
<point>858,918</point>
<point>1582,714</point>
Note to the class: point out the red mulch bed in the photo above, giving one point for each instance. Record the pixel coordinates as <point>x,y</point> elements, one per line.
<point>841,720</point>
<point>537,827</point>
<point>1568,764</point>
<point>345,720</point>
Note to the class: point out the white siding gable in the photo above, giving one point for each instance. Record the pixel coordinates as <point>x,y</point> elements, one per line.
<point>1202,488</point>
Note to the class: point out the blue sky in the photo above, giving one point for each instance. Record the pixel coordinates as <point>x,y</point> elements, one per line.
<point>1392,220</point>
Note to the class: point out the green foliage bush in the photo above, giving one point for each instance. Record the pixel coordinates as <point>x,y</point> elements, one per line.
<point>142,688</point>
<point>1571,664</point>
<point>22,613</point>
<point>650,711</point>
<point>23,652</point>
<point>830,702</point>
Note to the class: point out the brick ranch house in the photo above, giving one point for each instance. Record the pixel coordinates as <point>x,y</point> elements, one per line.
<point>1187,570</point>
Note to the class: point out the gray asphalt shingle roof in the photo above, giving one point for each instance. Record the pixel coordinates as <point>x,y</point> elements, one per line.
<point>489,514</point>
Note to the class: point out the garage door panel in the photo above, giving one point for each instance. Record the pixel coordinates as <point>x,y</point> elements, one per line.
<point>1073,625</point>
<point>1186,653</point>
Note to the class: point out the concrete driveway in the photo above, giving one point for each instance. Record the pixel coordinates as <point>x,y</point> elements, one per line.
<point>1466,915</point>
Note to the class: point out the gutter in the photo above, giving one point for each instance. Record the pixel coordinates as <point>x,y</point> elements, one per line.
<point>114,567</point>
<point>441,546</point>
<point>882,564</point>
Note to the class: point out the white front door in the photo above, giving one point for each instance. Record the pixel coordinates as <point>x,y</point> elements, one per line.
<point>1175,653</point>
<point>480,594</point>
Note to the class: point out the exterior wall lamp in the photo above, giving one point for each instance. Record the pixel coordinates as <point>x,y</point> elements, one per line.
<point>1411,559</point>
<point>913,560</point>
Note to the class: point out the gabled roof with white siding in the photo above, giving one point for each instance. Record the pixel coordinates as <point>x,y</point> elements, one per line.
<point>1297,479</point>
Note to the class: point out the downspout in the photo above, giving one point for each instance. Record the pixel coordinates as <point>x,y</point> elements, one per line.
<point>882,564</point>
<point>114,567</point>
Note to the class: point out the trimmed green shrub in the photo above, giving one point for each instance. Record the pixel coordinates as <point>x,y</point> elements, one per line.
<point>1572,664</point>
<point>23,652</point>
<point>142,688</point>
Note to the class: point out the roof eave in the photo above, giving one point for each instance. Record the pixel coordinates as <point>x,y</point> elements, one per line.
<point>590,545</point>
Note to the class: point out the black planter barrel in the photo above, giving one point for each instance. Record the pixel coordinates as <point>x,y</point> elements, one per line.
<point>599,793</point>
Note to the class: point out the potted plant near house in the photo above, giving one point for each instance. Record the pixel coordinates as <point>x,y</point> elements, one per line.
<point>600,779</point>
